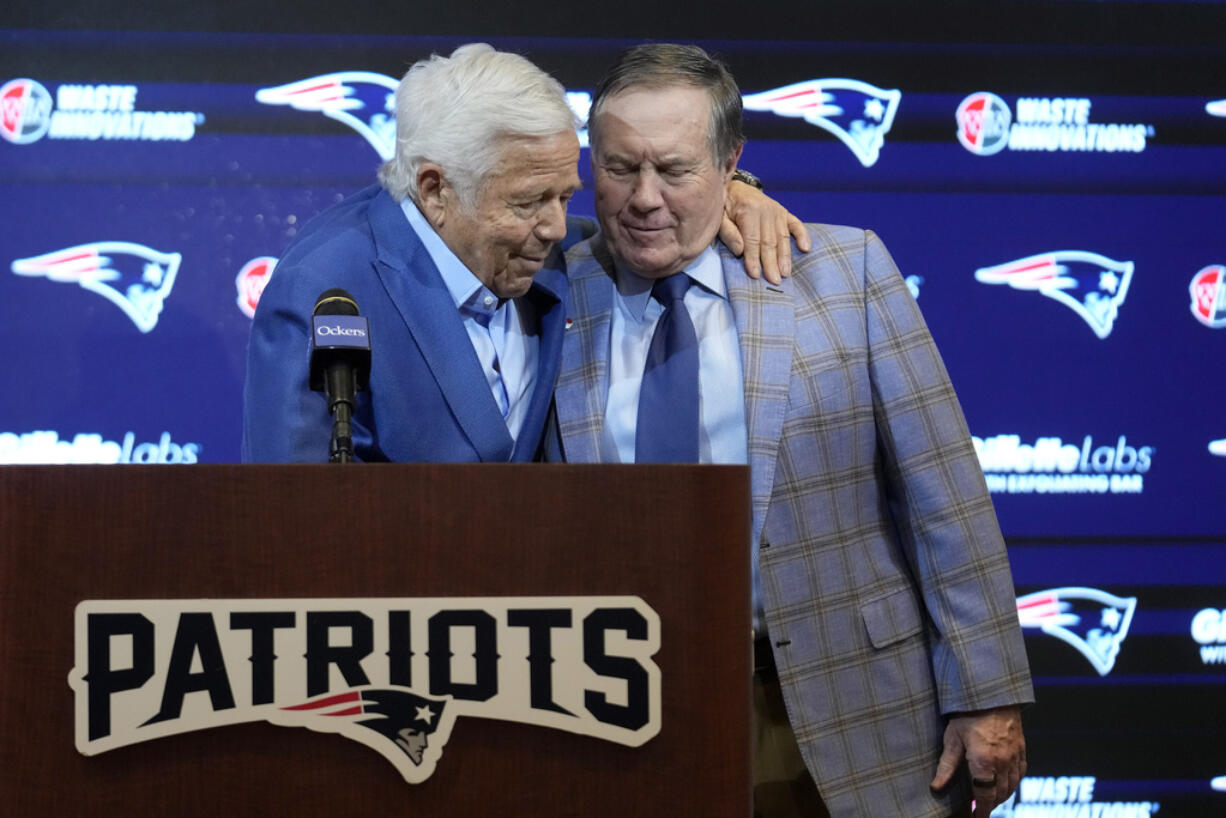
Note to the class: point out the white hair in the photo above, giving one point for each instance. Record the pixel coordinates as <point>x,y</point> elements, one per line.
<point>455,111</point>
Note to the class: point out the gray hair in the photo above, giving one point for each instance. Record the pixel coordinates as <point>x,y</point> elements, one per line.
<point>663,65</point>
<point>453,111</point>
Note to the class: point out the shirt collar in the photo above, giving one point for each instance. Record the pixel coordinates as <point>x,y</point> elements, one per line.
<point>466,290</point>
<point>636,290</point>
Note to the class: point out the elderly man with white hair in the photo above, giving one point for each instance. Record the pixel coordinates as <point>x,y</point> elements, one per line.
<point>454,260</point>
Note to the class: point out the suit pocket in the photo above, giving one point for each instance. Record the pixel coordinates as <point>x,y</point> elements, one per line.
<point>892,618</point>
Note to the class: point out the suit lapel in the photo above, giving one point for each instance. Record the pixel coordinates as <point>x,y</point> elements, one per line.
<point>765,319</point>
<point>429,314</point>
<point>548,296</point>
<point>583,382</point>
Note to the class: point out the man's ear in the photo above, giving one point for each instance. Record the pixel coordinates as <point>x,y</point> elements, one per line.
<point>432,193</point>
<point>729,167</point>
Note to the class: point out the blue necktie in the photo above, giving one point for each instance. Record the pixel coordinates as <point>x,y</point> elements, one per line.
<point>667,427</point>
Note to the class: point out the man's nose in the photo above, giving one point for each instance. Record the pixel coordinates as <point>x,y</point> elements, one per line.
<point>646,194</point>
<point>552,225</point>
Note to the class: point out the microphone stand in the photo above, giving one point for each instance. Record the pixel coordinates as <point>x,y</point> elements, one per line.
<point>341,387</point>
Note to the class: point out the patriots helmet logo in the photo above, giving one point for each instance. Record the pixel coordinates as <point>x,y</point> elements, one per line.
<point>133,277</point>
<point>1091,285</point>
<point>858,113</point>
<point>406,728</point>
<point>363,100</point>
<point>1092,621</point>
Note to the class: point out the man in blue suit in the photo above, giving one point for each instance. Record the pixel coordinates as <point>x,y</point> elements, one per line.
<point>890,659</point>
<point>454,261</point>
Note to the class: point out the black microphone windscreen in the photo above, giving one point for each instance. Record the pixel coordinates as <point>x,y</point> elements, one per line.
<point>336,302</point>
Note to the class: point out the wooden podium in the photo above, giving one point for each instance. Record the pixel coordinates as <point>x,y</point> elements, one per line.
<point>674,536</point>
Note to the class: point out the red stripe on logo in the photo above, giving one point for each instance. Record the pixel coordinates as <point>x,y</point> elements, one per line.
<point>341,698</point>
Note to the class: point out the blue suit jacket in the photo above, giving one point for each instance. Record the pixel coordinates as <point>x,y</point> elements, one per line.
<point>887,589</point>
<point>428,398</point>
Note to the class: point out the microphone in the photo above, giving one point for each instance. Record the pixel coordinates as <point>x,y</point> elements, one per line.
<point>340,364</point>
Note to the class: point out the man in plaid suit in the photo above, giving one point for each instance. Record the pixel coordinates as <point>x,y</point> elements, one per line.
<point>881,575</point>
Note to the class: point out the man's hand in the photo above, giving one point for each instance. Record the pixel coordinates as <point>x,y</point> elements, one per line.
<point>995,752</point>
<point>758,227</point>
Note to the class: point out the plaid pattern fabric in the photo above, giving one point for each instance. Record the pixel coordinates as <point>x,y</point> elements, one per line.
<point>887,586</point>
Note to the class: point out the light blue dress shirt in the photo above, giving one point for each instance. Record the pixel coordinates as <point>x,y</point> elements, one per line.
<point>508,353</point>
<point>723,436</point>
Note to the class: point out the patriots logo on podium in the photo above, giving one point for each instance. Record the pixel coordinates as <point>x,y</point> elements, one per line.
<point>858,113</point>
<point>363,100</point>
<point>1091,285</point>
<point>1092,621</point>
<point>406,728</point>
<point>133,277</point>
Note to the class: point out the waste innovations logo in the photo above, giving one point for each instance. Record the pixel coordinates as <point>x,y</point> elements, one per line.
<point>37,448</point>
<point>1209,631</point>
<point>1068,796</point>
<point>251,281</point>
<point>858,113</point>
<point>1089,284</point>
<point>396,675</point>
<point>1051,466</point>
<point>87,112</point>
<point>133,277</point>
<point>1208,291</point>
<point>366,102</point>
<point>25,111</point>
<point>983,123</point>
<point>986,126</point>
<point>1092,621</point>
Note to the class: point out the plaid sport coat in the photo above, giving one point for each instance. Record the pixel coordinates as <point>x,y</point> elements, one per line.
<point>886,583</point>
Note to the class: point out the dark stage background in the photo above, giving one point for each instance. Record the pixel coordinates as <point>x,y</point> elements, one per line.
<point>1051,176</point>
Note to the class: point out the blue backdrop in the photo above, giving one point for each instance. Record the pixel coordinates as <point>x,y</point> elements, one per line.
<point>1055,195</point>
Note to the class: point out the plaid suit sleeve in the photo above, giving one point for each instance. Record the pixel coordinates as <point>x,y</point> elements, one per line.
<point>939,502</point>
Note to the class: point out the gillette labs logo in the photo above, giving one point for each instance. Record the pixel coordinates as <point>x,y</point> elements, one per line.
<point>1209,631</point>
<point>1051,466</point>
<point>986,126</point>
<point>89,112</point>
<point>36,448</point>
